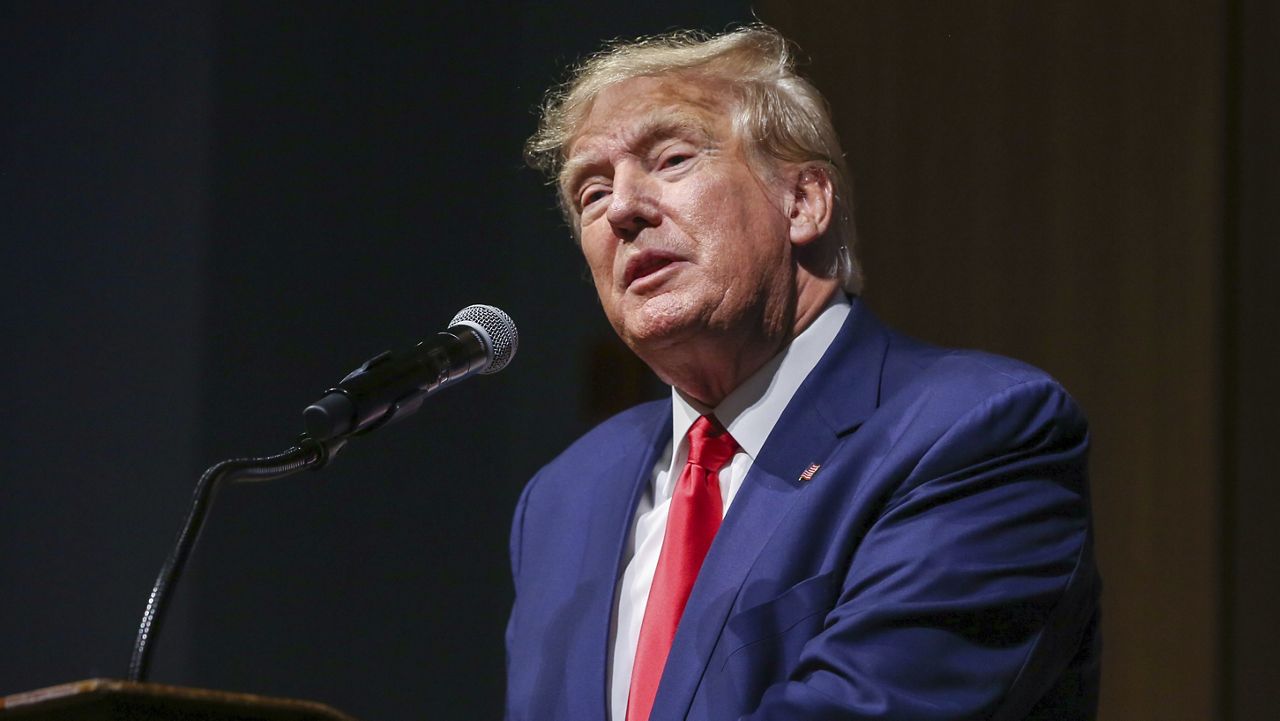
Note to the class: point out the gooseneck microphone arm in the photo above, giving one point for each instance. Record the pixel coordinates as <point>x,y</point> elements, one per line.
<point>480,339</point>
<point>307,454</point>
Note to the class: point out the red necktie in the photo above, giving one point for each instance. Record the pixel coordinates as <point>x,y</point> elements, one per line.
<point>692,522</point>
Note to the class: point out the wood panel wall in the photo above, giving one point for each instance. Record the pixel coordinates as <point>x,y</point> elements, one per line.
<point>1045,180</point>
<point>1252,355</point>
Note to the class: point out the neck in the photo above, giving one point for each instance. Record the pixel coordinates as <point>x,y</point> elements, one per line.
<point>710,367</point>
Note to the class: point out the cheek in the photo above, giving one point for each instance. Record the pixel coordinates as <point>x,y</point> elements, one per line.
<point>698,204</point>
<point>599,256</point>
<point>744,235</point>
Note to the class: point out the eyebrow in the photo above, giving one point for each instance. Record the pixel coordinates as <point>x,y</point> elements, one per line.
<point>651,130</point>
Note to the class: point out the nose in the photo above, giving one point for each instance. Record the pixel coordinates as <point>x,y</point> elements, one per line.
<point>633,204</point>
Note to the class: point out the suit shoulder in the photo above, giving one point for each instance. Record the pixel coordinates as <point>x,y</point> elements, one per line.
<point>949,412</point>
<point>634,424</point>
<point>953,383</point>
<point>914,366</point>
<point>631,431</point>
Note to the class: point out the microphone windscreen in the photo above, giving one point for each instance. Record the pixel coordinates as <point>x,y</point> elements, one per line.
<point>497,329</point>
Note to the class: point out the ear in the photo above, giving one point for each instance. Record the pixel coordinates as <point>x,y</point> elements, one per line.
<point>812,204</point>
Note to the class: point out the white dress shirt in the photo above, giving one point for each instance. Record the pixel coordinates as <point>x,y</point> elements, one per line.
<point>749,413</point>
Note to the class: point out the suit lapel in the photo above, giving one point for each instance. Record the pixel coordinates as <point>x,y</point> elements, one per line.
<point>841,391</point>
<point>606,543</point>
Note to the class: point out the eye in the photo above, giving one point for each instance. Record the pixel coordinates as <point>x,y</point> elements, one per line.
<point>592,194</point>
<point>675,159</point>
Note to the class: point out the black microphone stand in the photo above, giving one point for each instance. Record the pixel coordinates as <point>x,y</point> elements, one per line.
<point>386,388</point>
<point>307,454</point>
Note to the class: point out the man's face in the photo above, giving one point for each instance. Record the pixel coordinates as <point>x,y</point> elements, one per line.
<point>683,238</point>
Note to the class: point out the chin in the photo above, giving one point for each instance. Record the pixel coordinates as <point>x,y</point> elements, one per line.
<point>658,322</point>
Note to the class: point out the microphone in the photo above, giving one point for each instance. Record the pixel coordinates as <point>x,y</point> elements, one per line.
<point>388,387</point>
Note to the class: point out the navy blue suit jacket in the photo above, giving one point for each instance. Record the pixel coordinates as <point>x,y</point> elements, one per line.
<point>938,565</point>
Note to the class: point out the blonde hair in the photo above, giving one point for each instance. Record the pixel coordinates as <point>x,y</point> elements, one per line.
<point>781,115</point>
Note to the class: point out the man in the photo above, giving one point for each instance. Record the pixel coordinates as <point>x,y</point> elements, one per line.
<point>827,520</point>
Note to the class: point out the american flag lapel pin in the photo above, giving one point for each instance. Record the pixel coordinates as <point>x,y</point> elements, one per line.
<point>808,472</point>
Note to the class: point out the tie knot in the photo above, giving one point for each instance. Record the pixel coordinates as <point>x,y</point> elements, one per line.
<point>710,445</point>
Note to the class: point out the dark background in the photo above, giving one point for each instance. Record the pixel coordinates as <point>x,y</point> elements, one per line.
<point>212,211</point>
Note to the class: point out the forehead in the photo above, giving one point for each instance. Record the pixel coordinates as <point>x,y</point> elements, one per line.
<point>635,110</point>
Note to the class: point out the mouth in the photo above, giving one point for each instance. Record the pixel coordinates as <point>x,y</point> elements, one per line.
<point>647,264</point>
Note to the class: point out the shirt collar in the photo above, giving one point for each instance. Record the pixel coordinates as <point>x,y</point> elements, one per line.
<point>753,408</point>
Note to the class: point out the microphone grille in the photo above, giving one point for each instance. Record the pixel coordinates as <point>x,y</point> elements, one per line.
<point>497,327</point>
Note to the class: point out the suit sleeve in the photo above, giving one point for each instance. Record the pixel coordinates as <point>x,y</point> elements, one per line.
<point>972,587</point>
<point>516,547</point>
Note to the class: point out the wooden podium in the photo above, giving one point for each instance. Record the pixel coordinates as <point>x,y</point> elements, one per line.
<point>110,700</point>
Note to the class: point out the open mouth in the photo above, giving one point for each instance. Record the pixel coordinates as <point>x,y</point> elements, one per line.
<point>646,264</point>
